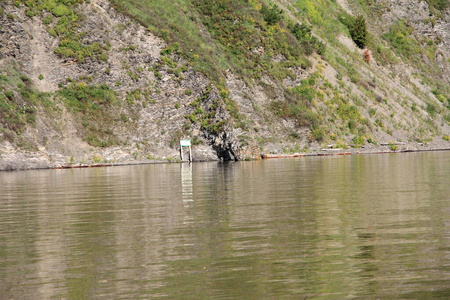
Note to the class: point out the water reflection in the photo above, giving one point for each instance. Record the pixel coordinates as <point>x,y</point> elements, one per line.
<point>187,189</point>
<point>327,227</point>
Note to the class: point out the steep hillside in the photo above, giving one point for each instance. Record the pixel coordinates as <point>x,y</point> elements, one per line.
<point>93,82</point>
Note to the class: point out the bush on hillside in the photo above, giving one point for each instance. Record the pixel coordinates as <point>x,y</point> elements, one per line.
<point>440,5</point>
<point>309,42</point>
<point>271,15</point>
<point>358,31</point>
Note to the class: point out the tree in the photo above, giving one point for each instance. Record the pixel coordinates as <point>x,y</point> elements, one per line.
<point>358,31</point>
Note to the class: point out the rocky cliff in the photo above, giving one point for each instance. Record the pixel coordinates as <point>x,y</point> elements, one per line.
<point>89,85</point>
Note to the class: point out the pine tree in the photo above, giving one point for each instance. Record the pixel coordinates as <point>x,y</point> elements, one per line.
<point>358,31</point>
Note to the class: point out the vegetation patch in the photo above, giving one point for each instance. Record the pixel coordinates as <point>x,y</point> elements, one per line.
<point>298,105</point>
<point>92,105</point>
<point>400,38</point>
<point>357,29</point>
<point>65,26</point>
<point>204,114</point>
<point>308,42</point>
<point>19,102</point>
<point>438,5</point>
<point>271,15</point>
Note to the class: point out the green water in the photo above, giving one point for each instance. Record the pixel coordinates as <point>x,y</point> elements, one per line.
<point>367,226</point>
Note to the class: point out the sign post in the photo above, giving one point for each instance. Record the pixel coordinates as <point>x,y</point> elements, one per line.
<point>185,143</point>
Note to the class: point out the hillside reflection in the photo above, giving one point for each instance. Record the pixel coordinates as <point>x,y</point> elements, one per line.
<point>331,227</point>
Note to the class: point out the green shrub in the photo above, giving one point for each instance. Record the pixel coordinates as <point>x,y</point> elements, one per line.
<point>431,109</point>
<point>85,97</point>
<point>175,48</point>
<point>169,62</point>
<point>358,31</point>
<point>318,133</point>
<point>393,147</point>
<point>75,48</point>
<point>9,94</point>
<point>356,27</point>
<point>352,125</point>
<point>31,13</point>
<point>308,42</point>
<point>61,10</point>
<point>15,115</point>
<point>271,15</point>
<point>438,95</point>
<point>48,20</point>
<point>440,5</point>
<point>358,141</point>
<point>90,104</point>
<point>347,20</point>
<point>400,38</point>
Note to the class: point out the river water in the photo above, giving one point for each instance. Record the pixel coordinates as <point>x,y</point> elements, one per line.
<point>363,226</point>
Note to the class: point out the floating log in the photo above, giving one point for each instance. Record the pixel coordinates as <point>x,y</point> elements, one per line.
<point>330,154</point>
<point>264,156</point>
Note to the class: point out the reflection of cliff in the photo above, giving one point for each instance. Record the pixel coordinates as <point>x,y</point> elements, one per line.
<point>332,226</point>
<point>81,230</point>
<point>375,211</point>
<point>32,233</point>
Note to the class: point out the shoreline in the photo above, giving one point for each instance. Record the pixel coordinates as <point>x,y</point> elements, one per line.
<point>338,153</point>
<point>262,156</point>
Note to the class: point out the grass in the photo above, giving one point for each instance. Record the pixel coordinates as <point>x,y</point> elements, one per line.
<point>93,106</point>
<point>175,22</point>
<point>393,147</point>
<point>19,102</point>
<point>61,20</point>
<point>438,6</point>
<point>400,38</point>
<point>417,51</point>
<point>235,29</point>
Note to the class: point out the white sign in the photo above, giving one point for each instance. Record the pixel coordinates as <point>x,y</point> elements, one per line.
<point>185,143</point>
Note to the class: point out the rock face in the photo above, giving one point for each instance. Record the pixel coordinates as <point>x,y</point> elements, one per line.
<point>154,122</point>
<point>425,25</point>
<point>161,99</point>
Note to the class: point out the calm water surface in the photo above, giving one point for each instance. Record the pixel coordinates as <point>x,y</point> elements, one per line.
<point>372,226</point>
